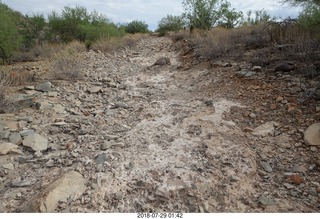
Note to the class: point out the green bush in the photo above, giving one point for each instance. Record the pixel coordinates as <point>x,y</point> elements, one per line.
<point>78,24</point>
<point>137,26</point>
<point>33,30</point>
<point>10,39</point>
<point>310,16</point>
<point>170,23</point>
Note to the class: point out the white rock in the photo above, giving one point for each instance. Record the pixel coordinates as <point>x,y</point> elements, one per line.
<point>70,185</point>
<point>312,135</point>
<point>36,142</point>
<point>8,166</point>
<point>264,130</point>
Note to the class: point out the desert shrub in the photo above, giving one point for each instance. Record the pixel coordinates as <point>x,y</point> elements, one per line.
<point>78,24</point>
<point>137,26</point>
<point>68,64</point>
<point>310,16</point>
<point>111,44</point>
<point>32,29</point>
<point>3,100</point>
<point>10,39</point>
<point>170,23</point>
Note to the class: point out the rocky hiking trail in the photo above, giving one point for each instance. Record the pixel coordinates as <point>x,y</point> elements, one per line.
<point>151,129</point>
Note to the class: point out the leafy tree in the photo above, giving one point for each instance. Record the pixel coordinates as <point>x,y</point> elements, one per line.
<point>67,26</point>
<point>256,17</point>
<point>202,14</point>
<point>137,26</point>
<point>170,23</point>
<point>230,17</point>
<point>301,2</point>
<point>310,16</point>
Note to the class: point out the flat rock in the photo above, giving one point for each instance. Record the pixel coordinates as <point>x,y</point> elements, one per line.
<point>36,142</point>
<point>26,132</point>
<point>95,89</point>
<point>9,148</point>
<point>266,166</point>
<point>111,144</point>
<point>264,130</point>
<point>312,135</point>
<point>247,73</point>
<point>70,185</point>
<point>59,108</point>
<point>44,87</point>
<point>101,158</point>
<point>44,105</point>
<point>284,67</point>
<point>19,103</point>
<point>266,200</point>
<point>8,166</point>
<point>162,61</point>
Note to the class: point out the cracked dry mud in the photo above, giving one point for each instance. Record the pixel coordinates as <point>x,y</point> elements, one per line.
<point>154,138</point>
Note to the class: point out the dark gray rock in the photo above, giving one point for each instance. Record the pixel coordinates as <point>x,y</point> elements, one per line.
<point>162,61</point>
<point>266,200</point>
<point>44,87</point>
<point>101,158</point>
<point>284,67</point>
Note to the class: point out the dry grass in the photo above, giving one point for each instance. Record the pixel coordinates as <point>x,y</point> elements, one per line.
<point>221,42</point>
<point>68,64</point>
<point>11,77</point>
<point>107,45</point>
<point>261,45</point>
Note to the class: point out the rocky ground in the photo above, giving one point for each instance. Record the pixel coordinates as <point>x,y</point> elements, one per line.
<point>151,129</point>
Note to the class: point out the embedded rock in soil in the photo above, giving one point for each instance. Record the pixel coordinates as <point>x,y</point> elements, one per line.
<point>264,130</point>
<point>312,135</point>
<point>162,61</point>
<point>7,148</point>
<point>70,185</point>
<point>44,87</point>
<point>36,142</point>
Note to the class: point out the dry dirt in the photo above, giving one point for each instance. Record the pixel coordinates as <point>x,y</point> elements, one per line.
<point>178,137</point>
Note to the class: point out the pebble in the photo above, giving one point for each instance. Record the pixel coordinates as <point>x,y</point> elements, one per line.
<point>266,166</point>
<point>26,132</point>
<point>101,158</point>
<point>289,186</point>
<point>266,200</point>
